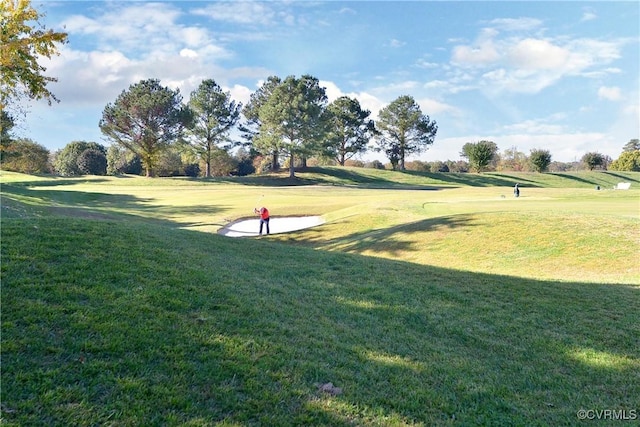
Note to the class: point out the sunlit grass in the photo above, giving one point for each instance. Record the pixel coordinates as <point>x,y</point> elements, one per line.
<point>121,306</point>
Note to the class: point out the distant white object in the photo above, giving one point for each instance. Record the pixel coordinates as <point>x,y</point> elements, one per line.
<point>622,186</point>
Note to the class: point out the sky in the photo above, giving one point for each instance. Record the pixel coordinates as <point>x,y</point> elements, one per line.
<point>561,76</point>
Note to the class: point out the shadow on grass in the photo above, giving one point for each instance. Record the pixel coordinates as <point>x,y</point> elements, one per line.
<point>178,327</point>
<point>94,205</point>
<point>332,177</point>
<point>387,240</point>
<point>624,178</point>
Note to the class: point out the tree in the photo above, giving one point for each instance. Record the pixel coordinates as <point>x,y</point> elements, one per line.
<point>146,120</point>
<point>404,130</point>
<point>512,160</point>
<point>291,119</point>
<point>593,160</point>
<point>251,127</point>
<point>66,162</point>
<point>27,157</point>
<point>6,124</point>
<point>628,161</point>
<point>540,160</point>
<point>479,154</point>
<point>348,129</point>
<point>92,162</point>
<point>214,115</point>
<point>632,145</point>
<point>122,161</point>
<point>23,40</point>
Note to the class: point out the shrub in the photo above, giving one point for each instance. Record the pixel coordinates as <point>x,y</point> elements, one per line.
<point>66,162</point>
<point>628,161</point>
<point>26,156</point>
<point>92,162</point>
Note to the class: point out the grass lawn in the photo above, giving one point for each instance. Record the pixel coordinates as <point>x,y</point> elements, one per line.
<point>428,299</point>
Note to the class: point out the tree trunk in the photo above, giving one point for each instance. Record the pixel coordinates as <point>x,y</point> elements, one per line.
<point>292,168</point>
<point>207,168</point>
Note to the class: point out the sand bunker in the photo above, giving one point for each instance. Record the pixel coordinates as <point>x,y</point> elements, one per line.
<point>250,227</point>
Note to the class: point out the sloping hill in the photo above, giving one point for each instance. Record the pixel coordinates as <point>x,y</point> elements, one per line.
<point>138,322</point>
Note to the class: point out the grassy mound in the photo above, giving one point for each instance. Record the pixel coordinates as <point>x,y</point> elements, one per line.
<point>115,310</point>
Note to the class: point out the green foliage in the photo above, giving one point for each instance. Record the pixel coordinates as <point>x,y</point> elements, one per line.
<point>6,124</point>
<point>222,163</point>
<point>122,161</point>
<point>169,163</point>
<point>593,160</point>
<point>290,119</point>
<point>23,41</point>
<point>479,154</point>
<point>251,111</point>
<point>632,145</point>
<point>628,161</point>
<point>513,160</point>
<point>374,164</point>
<point>192,170</point>
<point>404,130</point>
<point>92,162</point>
<point>349,129</point>
<point>540,160</point>
<point>214,115</point>
<point>66,161</point>
<point>146,120</point>
<point>26,156</point>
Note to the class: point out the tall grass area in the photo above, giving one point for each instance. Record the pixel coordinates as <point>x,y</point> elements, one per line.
<point>426,302</point>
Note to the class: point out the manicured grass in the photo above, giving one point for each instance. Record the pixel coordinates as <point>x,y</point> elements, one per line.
<point>117,309</point>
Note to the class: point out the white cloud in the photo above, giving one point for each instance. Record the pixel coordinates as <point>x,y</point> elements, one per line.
<point>588,14</point>
<point>610,93</point>
<point>239,12</point>
<point>188,53</point>
<point>482,53</point>
<point>516,24</point>
<point>367,101</point>
<point>432,107</point>
<point>537,54</point>
<point>530,64</point>
<point>537,127</point>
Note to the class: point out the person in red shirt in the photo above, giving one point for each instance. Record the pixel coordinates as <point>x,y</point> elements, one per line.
<point>264,217</point>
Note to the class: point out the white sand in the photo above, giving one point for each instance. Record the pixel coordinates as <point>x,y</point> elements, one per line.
<point>250,227</point>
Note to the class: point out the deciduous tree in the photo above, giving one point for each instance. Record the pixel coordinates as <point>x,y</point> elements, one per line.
<point>27,157</point>
<point>66,162</point>
<point>628,161</point>
<point>146,119</point>
<point>404,130</point>
<point>540,160</point>
<point>23,41</point>
<point>479,154</point>
<point>593,160</point>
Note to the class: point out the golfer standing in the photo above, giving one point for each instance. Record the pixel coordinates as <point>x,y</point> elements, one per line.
<point>516,191</point>
<point>264,217</point>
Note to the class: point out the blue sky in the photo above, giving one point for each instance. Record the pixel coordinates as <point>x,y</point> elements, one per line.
<point>560,76</point>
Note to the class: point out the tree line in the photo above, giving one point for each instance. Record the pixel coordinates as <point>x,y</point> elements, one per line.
<point>285,121</point>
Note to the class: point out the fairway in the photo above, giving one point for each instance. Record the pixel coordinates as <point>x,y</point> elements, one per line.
<point>430,299</point>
